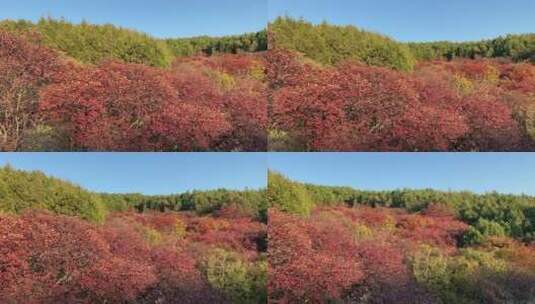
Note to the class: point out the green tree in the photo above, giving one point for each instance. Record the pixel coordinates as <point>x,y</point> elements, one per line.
<point>288,196</point>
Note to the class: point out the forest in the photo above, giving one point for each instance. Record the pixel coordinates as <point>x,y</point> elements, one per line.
<point>85,87</point>
<point>340,88</point>
<point>343,245</point>
<point>60,243</point>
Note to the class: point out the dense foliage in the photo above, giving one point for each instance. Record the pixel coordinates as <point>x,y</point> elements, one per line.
<point>378,255</point>
<point>251,42</point>
<point>200,103</point>
<point>329,44</point>
<point>287,195</point>
<point>131,258</point>
<point>478,105</point>
<point>252,203</point>
<point>21,190</point>
<point>25,69</point>
<point>517,47</point>
<point>489,215</point>
<point>61,243</point>
<point>336,88</point>
<point>90,43</point>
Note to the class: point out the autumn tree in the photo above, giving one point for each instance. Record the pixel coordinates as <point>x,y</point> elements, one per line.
<point>25,68</point>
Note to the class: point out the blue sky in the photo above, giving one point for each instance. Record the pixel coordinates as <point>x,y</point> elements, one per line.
<point>161,18</point>
<point>165,173</point>
<point>418,20</point>
<point>149,173</point>
<point>478,172</point>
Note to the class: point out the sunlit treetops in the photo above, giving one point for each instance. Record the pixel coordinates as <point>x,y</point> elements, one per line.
<point>21,191</point>
<point>490,214</point>
<point>331,44</point>
<point>90,43</point>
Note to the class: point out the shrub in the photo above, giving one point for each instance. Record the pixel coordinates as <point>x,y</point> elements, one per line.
<point>300,270</point>
<point>49,259</point>
<point>453,106</point>
<point>228,273</point>
<point>132,108</point>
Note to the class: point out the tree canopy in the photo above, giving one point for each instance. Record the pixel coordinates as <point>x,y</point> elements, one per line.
<point>91,43</point>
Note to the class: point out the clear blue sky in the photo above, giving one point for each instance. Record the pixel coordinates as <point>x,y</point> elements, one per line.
<point>149,173</point>
<point>478,172</point>
<point>418,20</point>
<point>161,18</point>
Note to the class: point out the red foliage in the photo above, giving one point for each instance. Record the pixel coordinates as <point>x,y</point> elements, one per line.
<point>24,69</point>
<point>179,280</point>
<point>247,109</point>
<point>472,69</point>
<point>244,101</point>
<point>202,103</point>
<point>353,107</point>
<point>49,259</point>
<point>519,77</point>
<point>362,108</point>
<point>301,270</point>
<point>240,235</point>
<point>492,126</point>
<point>370,245</point>
<point>130,107</point>
<point>441,231</point>
<point>238,65</point>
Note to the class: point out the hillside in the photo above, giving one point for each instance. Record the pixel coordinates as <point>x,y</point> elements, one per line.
<point>129,101</point>
<point>61,243</point>
<point>509,215</point>
<point>402,246</point>
<point>340,88</point>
